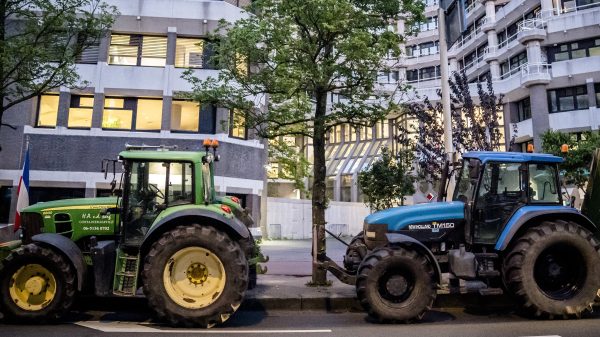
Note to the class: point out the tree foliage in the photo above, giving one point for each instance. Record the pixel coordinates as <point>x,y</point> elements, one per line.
<point>300,52</point>
<point>40,41</point>
<point>388,181</point>
<point>475,126</point>
<point>579,157</point>
<point>291,162</point>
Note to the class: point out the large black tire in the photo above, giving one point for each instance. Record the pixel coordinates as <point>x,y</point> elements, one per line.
<point>554,270</point>
<point>396,284</point>
<point>35,267</point>
<point>355,253</point>
<point>162,262</point>
<point>248,245</point>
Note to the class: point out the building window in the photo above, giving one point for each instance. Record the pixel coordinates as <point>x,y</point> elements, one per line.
<point>524,109</point>
<point>189,53</point>
<point>80,112</point>
<point>387,76</point>
<point>149,114</point>
<point>430,23</point>
<point>116,114</point>
<point>597,90</point>
<point>574,50</point>
<point>47,111</point>
<point>429,73</point>
<point>237,127</point>
<point>513,65</point>
<point>138,50</point>
<point>568,99</point>
<point>185,116</point>
<point>412,75</point>
<point>89,54</point>
<point>143,114</point>
<point>351,133</point>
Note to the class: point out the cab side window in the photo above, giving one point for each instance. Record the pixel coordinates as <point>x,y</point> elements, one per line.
<point>542,184</point>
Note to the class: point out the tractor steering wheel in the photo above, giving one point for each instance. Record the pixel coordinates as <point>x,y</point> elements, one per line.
<point>156,191</point>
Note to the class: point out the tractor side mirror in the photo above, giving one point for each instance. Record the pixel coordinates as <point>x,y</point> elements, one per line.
<point>474,166</point>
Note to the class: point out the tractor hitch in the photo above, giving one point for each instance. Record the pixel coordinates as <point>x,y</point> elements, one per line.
<point>340,273</point>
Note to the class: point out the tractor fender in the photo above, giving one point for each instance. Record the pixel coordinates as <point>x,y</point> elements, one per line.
<point>396,239</point>
<point>522,217</point>
<point>232,224</point>
<point>68,249</point>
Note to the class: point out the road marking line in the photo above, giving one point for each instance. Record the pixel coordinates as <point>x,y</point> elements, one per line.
<point>116,326</point>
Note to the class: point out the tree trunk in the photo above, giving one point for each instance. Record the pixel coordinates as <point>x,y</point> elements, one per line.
<point>319,197</point>
<point>2,37</point>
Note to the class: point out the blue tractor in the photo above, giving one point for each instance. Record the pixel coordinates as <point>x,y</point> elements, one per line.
<point>505,230</point>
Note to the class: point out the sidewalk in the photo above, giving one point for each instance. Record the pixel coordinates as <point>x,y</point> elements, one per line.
<point>289,269</point>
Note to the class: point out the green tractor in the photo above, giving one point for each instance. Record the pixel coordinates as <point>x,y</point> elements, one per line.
<point>166,232</point>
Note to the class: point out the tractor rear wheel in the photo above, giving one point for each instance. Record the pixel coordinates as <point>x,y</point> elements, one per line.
<point>37,285</point>
<point>554,270</point>
<point>396,284</point>
<point>195,276</point>
<point>355,253</point>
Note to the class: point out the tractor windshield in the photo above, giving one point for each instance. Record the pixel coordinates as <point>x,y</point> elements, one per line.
<point>465,183</point>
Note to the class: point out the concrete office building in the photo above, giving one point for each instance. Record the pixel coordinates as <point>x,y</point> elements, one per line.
<point>134,75</point>
<point>542,55</point>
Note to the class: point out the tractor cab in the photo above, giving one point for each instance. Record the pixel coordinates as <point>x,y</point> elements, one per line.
<point>494,185</point>
<point>156,181</point>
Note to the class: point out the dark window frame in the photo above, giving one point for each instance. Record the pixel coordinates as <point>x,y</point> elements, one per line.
<point>75,102</point>
<point>524,109</point>
<point>133,106</point>
<point>139,49</point>
<point>563,93</point>
<point>231,126</point>
<point>37,115</point>
<point>584,44</point>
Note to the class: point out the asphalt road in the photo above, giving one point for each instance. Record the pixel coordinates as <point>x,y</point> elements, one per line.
<point>451,323</point>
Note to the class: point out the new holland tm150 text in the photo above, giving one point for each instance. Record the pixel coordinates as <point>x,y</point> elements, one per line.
<point>505,230</point>
<point>168,232</point>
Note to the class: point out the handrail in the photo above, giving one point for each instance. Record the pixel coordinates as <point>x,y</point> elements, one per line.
<point>531,24</point>
<point>472,7</point>
<point>535,68</point>
<point>464,39</point>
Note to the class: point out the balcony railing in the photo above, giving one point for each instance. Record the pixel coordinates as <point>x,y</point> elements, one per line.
<point>472,7</point>
<point>531,24</point>
<point>466,38</point>
<point>534,69</point>
<point>573,9</point>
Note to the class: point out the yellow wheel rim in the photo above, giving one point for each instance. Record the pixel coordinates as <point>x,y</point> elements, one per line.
<point>32,287</point>
<point>194,277</point>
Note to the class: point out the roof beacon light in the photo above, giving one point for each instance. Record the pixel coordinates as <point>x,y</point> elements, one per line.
<point>530,148</point>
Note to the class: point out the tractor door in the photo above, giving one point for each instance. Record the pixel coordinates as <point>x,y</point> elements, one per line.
<point>502,189</point>
<point>151,188</point>
<point>144,196</point>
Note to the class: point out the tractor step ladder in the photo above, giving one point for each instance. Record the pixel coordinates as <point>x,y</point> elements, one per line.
<point>126,273</point>
<point>491,291</point>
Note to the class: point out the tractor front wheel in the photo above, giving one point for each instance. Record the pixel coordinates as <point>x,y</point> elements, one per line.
<point>396,284</point>
<point>37,285</point>
<point>554,270</point>
<point>195,276</point>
